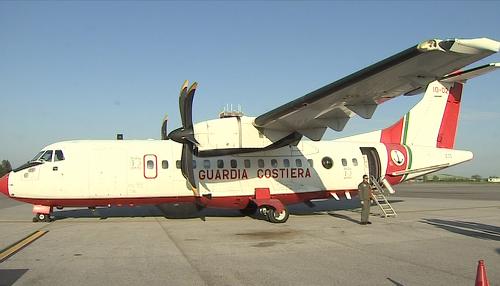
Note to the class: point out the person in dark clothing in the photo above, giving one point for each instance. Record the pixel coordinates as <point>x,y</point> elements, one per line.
<point>365,192</point>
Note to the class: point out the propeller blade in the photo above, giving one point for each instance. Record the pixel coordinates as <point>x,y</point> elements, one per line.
<point>187,167</point>
<point>182,100</point>
<point>185,133</point>
<point>187,120</point>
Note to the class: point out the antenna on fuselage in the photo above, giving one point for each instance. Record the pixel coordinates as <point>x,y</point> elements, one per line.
<point>229,111</point>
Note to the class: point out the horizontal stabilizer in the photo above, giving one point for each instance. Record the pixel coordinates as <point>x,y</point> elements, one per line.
<point>420,170</point>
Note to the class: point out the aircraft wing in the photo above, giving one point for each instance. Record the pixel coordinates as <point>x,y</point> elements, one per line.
<point>408,72</point>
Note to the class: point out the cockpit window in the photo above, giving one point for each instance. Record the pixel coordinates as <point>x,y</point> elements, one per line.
<point>59,156</point>
<point>37,156</point>
<point>47,156</point>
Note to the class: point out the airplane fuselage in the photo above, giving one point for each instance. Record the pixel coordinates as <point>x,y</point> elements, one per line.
<point>133,172</point>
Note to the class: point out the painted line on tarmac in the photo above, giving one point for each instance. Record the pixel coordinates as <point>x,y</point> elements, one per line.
<point>17,246</point>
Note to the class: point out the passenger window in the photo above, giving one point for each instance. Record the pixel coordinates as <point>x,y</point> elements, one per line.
<point>354,161</point>
<point>164,164</point>
<point>327,162</point>
<point>260,163</point>
<point>310,161</point>
<point>206,164</point>
<point>247,163</point>
<point>274,163</point>
<point>194,164</point>
<point>59,156</point>
<point>220,164</point>
<point>344,162</point>
<point>286,163</point>
<point>234,164</point>
<point>298,162</point>
<point>47,156</point>
<point>150,164</point>
<point>178,164</point>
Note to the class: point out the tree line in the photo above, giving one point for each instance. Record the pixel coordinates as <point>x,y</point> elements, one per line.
<point>5,168</point>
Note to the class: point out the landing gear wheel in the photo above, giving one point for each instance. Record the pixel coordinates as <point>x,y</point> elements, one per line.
<point>275,217</point>
<point>41,217</point>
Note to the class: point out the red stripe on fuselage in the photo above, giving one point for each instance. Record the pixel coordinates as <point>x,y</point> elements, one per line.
<point>231,202</point>
<point>448,129</point>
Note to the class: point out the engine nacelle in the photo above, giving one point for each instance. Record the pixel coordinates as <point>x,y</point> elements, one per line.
<point>233,133</point>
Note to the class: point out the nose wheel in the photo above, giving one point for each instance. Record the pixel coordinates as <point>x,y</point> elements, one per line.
<point>39,217</point>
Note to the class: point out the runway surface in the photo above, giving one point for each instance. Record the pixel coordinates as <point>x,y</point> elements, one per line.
<point>439,235</point>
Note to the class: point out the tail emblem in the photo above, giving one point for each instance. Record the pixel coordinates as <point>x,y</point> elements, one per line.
<point>397,157</point>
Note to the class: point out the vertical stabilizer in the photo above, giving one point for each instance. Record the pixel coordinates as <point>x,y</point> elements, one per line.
<point>432,122</point>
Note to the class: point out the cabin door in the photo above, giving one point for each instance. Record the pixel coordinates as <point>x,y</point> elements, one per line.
<point>373,161</point>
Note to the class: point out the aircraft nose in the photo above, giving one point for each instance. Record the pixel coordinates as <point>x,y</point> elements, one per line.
<point>4,185</point>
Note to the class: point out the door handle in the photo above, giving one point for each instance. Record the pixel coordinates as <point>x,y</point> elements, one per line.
<point>54,168</point>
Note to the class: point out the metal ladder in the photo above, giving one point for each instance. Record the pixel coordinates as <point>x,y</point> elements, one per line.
<point>379,197</point>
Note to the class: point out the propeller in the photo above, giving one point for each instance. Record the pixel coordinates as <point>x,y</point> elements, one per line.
<point>185,134</point>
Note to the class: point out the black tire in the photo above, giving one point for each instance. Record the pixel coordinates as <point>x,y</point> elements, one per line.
<point>275,217</point>
<point>43,217</point>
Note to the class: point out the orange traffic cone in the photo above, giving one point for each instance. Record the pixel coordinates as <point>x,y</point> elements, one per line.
<point>481,279</point>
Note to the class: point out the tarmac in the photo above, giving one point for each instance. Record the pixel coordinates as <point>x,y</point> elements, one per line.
<point>439,235</point>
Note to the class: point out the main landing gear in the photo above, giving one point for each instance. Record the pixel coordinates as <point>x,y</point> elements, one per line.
<point>272,215</point>
<point>272,209</point>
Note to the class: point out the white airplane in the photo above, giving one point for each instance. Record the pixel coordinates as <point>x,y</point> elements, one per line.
<point>263,163</point>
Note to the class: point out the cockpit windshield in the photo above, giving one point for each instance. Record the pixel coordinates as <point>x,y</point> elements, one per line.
<point>47,156</point>
<point>37,156</point>
<point>42,157</point>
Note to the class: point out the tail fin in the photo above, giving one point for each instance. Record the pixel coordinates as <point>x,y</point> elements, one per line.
<point>433,121</point>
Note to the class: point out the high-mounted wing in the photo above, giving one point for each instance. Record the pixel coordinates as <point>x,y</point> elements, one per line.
<point>407,72</point>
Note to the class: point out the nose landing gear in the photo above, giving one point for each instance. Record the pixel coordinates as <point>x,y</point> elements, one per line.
<point>42,213</point>
<point>41,218</point>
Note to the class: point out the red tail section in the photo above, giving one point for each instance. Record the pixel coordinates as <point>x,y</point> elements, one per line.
<point>448,129</point>
<point>393,134</point>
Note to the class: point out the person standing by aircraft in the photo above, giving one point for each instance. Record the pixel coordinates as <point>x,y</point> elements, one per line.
<point>365,190</point>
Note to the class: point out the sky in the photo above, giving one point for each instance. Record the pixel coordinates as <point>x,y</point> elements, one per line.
<point>92,69</point>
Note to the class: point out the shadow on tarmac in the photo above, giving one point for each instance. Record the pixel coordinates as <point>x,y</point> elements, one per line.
<point>190,211</point>
<point>344,217</point>
<point>468,228</point>
<point>10,276</point>
<point>170,211</point>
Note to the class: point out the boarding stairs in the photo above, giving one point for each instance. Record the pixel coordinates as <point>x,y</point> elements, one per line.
<point>379,197</point>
